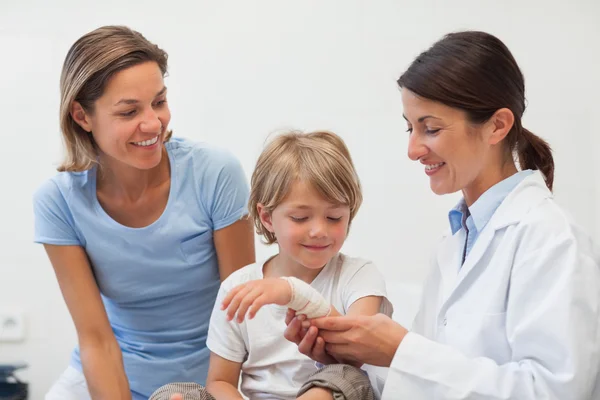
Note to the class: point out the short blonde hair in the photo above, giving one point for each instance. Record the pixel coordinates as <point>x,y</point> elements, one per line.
<point>90,63</point>
<point>319,158</point>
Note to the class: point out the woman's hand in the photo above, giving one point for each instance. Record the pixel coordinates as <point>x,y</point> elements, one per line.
<point>249,297</point>
<point>306,338</point>
<point>361,339</point>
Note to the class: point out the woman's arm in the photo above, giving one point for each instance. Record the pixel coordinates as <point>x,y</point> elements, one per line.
<point>100,353</point>
<point>235,247</point>
<point>223,378</point>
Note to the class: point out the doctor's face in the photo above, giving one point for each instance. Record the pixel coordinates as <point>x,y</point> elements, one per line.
<point>450,147</point>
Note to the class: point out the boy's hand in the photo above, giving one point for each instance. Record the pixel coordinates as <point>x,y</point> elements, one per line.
<point>249,297</point>
<point>306,337</point>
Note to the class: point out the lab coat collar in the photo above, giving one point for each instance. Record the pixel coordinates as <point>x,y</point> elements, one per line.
<point>526,196</point>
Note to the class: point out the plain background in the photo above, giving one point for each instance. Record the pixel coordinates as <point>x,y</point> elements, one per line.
<point>240,70</point>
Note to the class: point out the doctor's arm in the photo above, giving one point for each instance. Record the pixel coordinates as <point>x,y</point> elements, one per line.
<point>551,326</point>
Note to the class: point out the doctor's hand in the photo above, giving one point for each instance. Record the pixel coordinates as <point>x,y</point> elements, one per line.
<point>370,340</point>
<point>306,338</point>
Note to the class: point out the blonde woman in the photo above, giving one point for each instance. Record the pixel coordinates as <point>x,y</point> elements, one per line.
<point>140,227</point>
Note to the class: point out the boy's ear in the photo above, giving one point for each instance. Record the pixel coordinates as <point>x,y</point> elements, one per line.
<point>265,217</point>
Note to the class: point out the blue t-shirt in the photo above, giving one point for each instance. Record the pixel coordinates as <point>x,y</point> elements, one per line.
<point>158,283</point>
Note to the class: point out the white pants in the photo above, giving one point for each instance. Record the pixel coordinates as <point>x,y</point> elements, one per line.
<point>70,385</point>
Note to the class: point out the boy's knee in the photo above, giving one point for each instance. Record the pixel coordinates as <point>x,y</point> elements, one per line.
<point>317,393</point>
<point>344,381</point>
<point>181,391</point>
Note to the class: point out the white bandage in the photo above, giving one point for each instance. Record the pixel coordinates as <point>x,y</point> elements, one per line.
<point>306,299</point>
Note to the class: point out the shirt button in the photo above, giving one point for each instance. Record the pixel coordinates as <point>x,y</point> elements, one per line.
<point>445,321</point>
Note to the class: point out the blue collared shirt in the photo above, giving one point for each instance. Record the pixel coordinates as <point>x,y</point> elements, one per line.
<point>473,219</point>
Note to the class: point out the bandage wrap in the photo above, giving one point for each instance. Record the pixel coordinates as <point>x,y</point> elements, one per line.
<point>307,300</point>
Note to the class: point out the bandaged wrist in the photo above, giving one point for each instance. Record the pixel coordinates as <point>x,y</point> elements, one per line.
<point>306,299</point>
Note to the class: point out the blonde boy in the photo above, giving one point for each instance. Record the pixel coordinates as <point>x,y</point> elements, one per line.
<point>304,195</point>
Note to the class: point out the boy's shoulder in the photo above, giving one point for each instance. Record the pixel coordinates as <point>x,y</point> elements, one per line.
<point>245,274</point>
<point>348,263</point>
<point>348,268</point>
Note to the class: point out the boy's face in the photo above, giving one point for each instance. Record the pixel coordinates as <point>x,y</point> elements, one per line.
<point>309,229</point>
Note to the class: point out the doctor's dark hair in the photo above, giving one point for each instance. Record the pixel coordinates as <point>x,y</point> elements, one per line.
<point>475,72</point>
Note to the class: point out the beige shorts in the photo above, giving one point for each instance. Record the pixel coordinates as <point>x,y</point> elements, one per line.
<point>345,382</point>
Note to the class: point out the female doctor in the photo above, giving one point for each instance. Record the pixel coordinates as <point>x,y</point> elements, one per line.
<point>511,309</point>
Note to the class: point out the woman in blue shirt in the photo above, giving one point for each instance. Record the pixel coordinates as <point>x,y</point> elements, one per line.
<point>140,227</point>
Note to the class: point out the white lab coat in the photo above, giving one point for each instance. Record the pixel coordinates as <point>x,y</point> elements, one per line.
<point>519,320</point>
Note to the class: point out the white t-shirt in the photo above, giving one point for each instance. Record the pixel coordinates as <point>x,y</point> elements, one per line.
<point>272,367</point>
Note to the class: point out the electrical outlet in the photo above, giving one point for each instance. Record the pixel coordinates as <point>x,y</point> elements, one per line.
<point>12,326</point>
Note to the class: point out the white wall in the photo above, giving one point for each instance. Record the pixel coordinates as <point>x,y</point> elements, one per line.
<point>241,69</point>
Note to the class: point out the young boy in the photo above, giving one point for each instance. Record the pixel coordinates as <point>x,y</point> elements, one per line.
<point>304,195</point>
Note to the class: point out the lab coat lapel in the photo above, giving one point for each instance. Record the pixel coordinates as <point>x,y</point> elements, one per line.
<point>448,260</point>
<point>527,194</point>
<point>477,252</point>
<point>450,285</point>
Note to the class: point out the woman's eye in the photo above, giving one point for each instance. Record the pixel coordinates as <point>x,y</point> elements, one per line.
<point>409,130</point>
<point>431,131</point>
<point>160,103</point>
<point>334,219</point>
<point>128,113</point>
<point>299,219</point>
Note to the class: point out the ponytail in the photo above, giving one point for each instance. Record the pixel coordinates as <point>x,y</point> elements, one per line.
<point>535,153</point>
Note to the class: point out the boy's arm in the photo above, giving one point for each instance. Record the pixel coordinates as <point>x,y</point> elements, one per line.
<point>366,306</point>
<point>249,297</point>
<point>223,378</point>
<point>307,338</point>
<point>369,305</point>
<point>299,329</point>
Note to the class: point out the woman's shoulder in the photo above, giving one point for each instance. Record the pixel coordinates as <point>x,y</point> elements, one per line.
<point>531,207</point>
<point>199,153</point>
<point>546,216</point>
<point>549,227</point>
<point>63,185</point>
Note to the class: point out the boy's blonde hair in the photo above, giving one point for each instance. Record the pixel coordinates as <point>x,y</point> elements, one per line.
<point>320,158</point>
<point>90,63</point>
